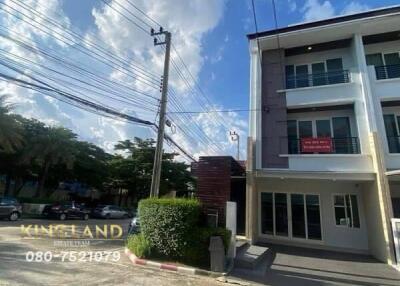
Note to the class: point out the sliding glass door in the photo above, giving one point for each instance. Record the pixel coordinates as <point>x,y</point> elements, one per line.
<point>291,215</point>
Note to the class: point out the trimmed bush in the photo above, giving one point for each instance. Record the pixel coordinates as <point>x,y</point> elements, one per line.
<point>168,224</point>
<point>138,245</point>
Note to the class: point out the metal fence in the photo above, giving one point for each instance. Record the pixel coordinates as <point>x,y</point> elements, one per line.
<point>389,71</point>
<point>317,79</point>
<point>347,145</point>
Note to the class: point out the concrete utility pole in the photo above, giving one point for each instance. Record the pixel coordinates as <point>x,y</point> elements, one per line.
<point>155,180</point>
<point>236,137</point>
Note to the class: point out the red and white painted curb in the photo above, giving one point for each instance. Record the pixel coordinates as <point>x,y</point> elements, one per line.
<point>171,267</point>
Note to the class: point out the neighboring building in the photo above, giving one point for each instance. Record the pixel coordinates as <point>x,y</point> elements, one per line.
<point>221,179</point>
<point>324,135</point>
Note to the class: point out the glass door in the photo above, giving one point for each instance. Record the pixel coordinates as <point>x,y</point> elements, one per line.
<point>376,60</point>
<point>318,74</point>
<point>342,141</point>
<point>302,76</point>
<point>267,213</point>
<point>323,128</point>
<point>392,134</point>
<point>392,62</point>
<point>298,216</point>
<point>281,214</point>
<point>335,70</point>
<point>313,217</point>
<point>293,142</point>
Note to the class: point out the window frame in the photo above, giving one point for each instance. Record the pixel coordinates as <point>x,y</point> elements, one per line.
<point>309,70</point>
<point>289,213</point>
<point>345,210</point>
<point>396,122</point>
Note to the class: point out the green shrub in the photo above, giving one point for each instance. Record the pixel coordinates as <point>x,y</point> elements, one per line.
<point>168,224</point>
<point>197,252</point>
<point>138,245</point>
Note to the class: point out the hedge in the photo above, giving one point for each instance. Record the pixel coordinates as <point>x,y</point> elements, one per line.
<point>168,224</point>
<point>138,245</point>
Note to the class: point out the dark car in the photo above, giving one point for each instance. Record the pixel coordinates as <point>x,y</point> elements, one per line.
<point>66,211</point>
<point>10,208</point>
<point>109,211</point>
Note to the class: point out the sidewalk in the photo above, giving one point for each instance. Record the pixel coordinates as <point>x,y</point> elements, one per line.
<point>300,266</point>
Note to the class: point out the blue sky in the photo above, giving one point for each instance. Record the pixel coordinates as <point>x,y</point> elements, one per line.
<point>210,36</point>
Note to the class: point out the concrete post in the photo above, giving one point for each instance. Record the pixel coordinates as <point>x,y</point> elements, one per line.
<point>231,221</point>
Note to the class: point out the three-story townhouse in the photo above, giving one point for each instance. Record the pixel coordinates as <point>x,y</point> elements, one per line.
<point>324,134</point>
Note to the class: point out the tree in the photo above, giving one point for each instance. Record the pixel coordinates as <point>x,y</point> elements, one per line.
<point>56,145</point>
<point>10,128</point>
<point>134,171</point>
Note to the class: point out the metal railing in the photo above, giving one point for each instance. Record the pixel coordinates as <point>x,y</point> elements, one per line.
<point>385,72</point>
<point>394,144</point>
<point>347,145</point>
<point>317,79</point>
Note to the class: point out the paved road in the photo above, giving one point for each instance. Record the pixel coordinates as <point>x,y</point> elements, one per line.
<point>16,270</point>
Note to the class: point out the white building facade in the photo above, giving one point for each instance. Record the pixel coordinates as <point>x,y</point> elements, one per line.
<point>324,134</point>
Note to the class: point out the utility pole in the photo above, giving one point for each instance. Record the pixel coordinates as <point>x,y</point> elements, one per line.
<point>155,179</point>
<point>236,137</point>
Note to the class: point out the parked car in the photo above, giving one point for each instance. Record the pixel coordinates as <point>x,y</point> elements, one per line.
<point>109,211</point>
<point>10,208</point>
<point>134,226</point>
<point>66,211</point>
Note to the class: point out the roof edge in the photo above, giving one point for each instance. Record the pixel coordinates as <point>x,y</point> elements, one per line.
<point>339,19</point>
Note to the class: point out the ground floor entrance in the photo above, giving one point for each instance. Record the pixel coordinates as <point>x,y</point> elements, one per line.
<point>325,214</point>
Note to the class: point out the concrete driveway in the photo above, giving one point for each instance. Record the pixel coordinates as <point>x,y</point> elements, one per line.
<point>300,266</point>
<point>16,270</point>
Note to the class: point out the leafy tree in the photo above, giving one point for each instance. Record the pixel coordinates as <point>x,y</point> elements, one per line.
<point>134,171</point>
<point>10,128</point>
<point>55,146</point>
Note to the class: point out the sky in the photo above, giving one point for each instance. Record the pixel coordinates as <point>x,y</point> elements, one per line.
<point>208,35</point>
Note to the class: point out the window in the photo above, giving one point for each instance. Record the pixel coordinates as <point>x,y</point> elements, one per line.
<point>304,211</point>
<point>346,210</point>
<point>267,216</point>
<point>386,65</point>
<point>392,134</point>
<point>290,78</point>
<point>315,74</point>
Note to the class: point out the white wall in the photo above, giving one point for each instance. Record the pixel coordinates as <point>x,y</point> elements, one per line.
<point>386,47</point>
<point>333,236</point>
<point>310,58</point>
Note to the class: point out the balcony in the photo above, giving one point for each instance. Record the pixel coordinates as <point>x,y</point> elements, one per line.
<point>326,145</point>
<point>317,79</point>
<point>387,72</point>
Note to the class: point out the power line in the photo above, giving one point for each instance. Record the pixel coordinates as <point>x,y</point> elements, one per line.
<point>81,48</point>
<point>213,111</point>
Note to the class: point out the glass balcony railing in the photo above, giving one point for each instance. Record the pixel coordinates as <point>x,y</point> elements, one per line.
<point>386,72</point>
<point>317,79</point>
<point>324,145</point>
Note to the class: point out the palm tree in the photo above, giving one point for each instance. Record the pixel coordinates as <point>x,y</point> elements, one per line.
<point>11,136</point>
<point>55,146</point>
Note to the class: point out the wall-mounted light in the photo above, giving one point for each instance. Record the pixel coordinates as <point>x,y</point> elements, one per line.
<point>309,48</point>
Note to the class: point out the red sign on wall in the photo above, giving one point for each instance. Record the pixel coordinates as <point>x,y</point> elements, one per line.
<point>316,145</point>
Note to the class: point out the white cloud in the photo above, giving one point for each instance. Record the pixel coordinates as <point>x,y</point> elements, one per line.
<point>292,5</point>
<point>315,10</point>
<point>354,7</point>
<point>189,22</point>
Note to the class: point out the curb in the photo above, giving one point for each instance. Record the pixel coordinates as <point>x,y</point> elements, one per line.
<point>170,267</point>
